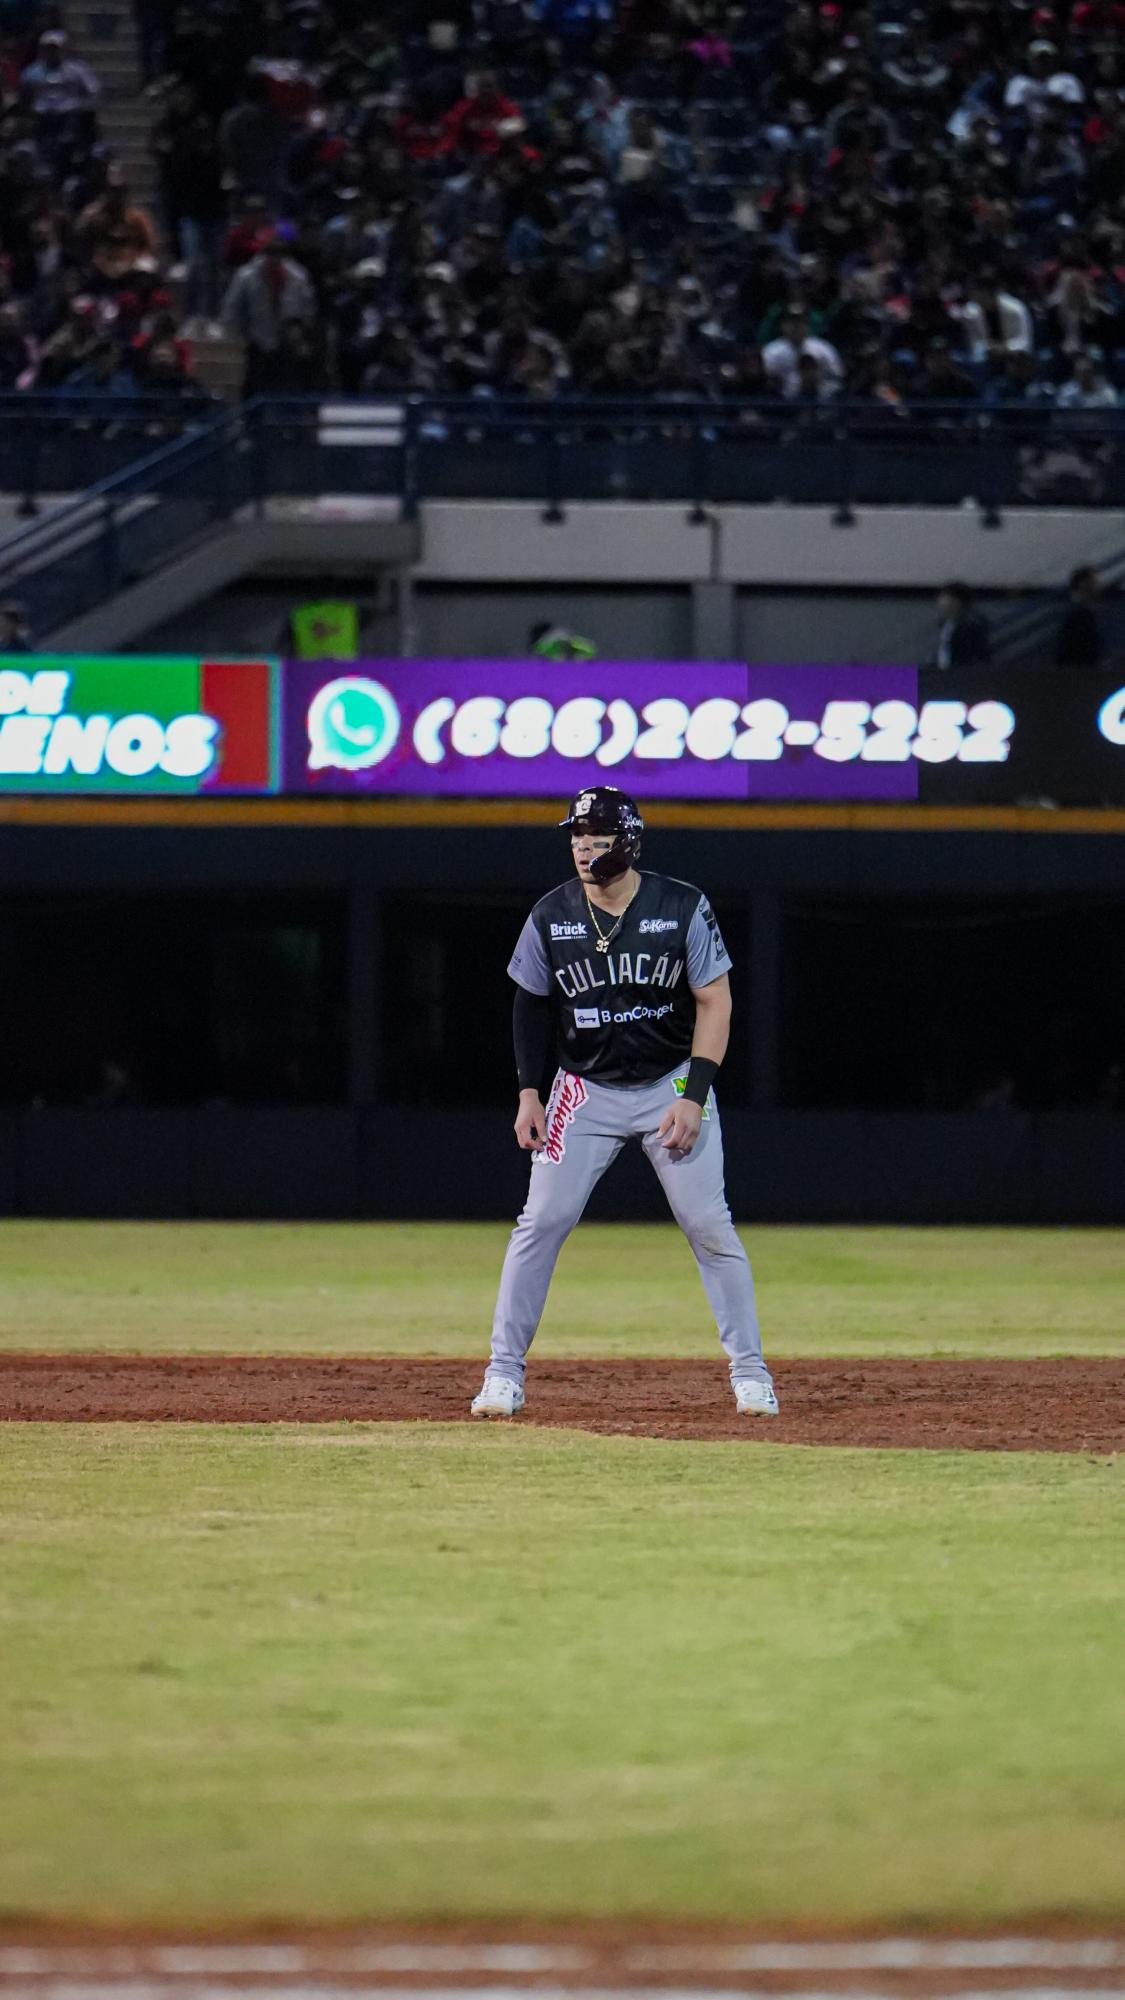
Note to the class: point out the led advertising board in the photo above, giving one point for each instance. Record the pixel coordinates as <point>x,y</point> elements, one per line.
<point>696,731</point>
<point>85,723</point>
<point>546,729</point>
<point>664,729</point>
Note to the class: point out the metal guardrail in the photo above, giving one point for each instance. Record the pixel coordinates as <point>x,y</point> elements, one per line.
<point>841,455</point>
<point>125,526</point>
<point>51,444</point>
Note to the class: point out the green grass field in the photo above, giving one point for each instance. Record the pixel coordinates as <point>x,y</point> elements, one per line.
<point>428,1288</point>
<point>415,1672</point>
<point>412,1671</point>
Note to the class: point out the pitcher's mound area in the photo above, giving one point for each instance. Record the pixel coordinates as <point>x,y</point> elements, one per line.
<point>1076,1405</point>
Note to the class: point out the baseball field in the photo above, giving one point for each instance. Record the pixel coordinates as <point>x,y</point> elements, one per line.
<point>285,1638</point>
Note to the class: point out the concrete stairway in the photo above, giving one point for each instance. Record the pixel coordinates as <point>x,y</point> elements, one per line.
<point>103,33</point>
<point>218,366</point>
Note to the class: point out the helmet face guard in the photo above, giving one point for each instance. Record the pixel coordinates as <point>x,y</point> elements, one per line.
<point>604,810</point>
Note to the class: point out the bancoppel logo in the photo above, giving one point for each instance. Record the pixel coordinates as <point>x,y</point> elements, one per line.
<point>568,930</point>
<point>607,1015</point>
<point>660,924</point>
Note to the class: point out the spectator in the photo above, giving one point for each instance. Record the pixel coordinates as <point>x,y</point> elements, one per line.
<point>161,358</point>
<point>360,317</point>
<point>1017,395</point>
<point>642,155</point>
<point>1088,387</point>
<point>963,636</point>
<point>263,300</point>
<point>114,234</point>
<point>195,201</point>
<point>913,70</point>
<point>745,377</point>
<point>941,380</point>
<point>63,95</point>
<point>296,368</point>
<point>781,358</point>
<point>859,123</point>
<point>252,136</point>
<point>814,384</point>
<point>15,632</point>
<point>481,120</point>
<point>1079,306</point>
<point>540,371</point>
<point>546,641</point>
<point>1033,86</point>
<point>17,355</point>
<point>1078,641</point>
<point>71,346</point>
<point>994,323</point>
<point>100,371</point>
<point>247,231</point>
<point>471,200</point>
<point>397,363</point>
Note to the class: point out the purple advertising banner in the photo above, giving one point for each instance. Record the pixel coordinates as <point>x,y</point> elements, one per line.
<point>663,729</point>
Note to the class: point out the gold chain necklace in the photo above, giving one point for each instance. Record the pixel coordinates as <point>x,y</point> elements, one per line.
<point>605,938</point>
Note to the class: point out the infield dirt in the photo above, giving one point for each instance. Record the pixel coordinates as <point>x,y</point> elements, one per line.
<point>49,1962</point>
<point>1075,1405</point>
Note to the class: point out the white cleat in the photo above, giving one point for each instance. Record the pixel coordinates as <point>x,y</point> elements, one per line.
<point>499,1397</point>
<point>756,1399</point>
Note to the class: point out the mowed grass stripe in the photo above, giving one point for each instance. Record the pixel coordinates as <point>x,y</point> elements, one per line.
<point>433,1673</point>
<point>429,1288</point>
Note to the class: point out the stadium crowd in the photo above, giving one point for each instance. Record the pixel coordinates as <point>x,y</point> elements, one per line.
<point>792,200</point>
<point>84,302</point>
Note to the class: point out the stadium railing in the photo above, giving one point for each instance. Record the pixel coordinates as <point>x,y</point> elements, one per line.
<point>124,526</point>
<point>150,504</point>
<point>838,454</point>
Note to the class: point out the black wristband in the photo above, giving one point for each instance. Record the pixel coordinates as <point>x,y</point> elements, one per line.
<point>700,1076</point>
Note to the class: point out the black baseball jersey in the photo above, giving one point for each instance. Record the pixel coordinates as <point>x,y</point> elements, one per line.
<point>626,1015</point>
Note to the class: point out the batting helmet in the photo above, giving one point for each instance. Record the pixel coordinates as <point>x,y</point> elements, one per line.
<point>603,809</point>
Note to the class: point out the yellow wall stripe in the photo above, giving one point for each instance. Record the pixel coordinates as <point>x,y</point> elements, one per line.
<point>406,812</point>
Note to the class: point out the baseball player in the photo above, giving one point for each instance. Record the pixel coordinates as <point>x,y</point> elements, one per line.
<point>622,977</point>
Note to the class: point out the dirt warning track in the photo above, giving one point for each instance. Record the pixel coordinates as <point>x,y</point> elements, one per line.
<point>948,1405</point>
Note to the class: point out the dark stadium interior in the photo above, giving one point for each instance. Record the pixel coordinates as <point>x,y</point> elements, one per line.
<point>947,1004</point>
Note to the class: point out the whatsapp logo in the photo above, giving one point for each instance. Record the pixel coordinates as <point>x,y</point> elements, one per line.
<point>353,724</point>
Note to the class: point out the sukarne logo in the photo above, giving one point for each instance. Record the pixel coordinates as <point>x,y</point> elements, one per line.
<point>660,924</point>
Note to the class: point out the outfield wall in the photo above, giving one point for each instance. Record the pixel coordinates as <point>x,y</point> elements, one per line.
<point>402,1125</point>
<point>421,1162</point>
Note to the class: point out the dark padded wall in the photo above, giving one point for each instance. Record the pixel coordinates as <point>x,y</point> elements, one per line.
<point>433,1158</point>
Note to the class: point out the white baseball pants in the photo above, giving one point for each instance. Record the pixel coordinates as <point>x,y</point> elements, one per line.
<point>587,1125</point>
